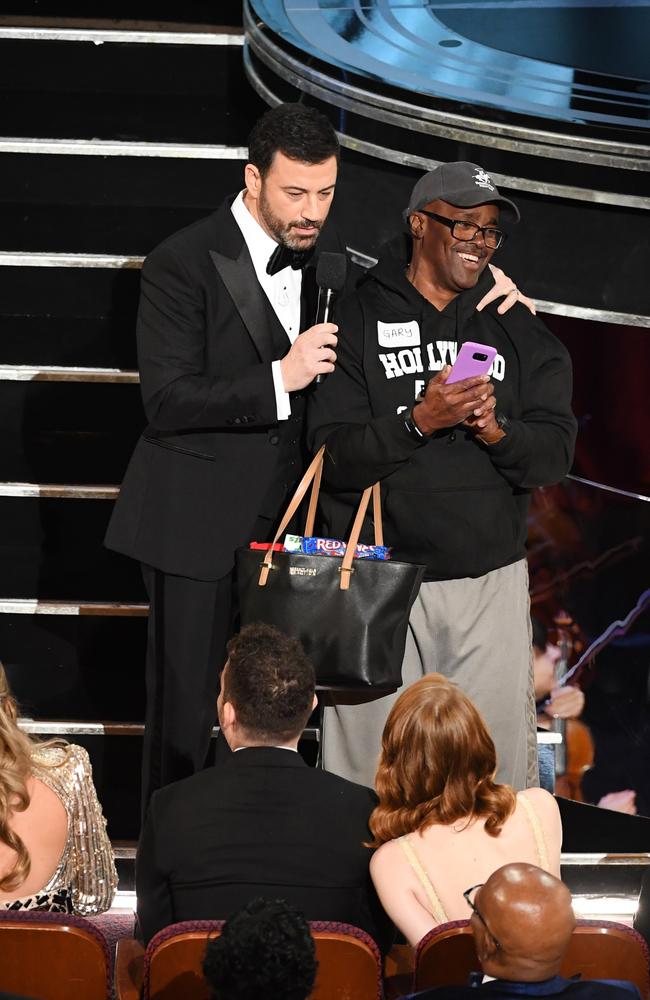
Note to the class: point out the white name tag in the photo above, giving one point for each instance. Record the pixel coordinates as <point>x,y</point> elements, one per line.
<point>398,334</point>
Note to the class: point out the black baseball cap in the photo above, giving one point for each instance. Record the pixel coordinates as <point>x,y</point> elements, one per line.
<point>463,184</point>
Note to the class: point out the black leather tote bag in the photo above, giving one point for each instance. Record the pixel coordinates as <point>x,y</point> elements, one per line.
<point>350,614</point>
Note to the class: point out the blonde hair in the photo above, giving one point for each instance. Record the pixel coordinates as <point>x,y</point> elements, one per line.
<point>437,764</point>
<point>16,749</point>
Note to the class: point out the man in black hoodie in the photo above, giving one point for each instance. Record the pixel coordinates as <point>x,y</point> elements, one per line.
<point>456,461</point>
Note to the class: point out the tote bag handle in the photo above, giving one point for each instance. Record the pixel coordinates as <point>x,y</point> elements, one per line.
<point>313,476</point>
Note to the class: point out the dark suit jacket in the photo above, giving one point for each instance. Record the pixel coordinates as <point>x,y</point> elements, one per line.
<point>263,823</point>
<point>207,335</point>
<point>587,989</point>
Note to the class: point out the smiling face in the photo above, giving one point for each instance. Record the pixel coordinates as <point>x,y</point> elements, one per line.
<point>292,200</point>
<point>448,264</point>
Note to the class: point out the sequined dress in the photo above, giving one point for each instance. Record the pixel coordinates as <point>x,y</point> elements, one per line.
<point>85,879</point>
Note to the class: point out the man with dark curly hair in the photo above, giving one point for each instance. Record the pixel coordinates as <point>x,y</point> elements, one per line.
<point>262,822</point>
<point>265,950</point>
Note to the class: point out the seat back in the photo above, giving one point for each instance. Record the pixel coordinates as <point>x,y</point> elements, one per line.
<point>173,961</point>
<point>608,950</point>
<point>53,956</point>
<point>445,956</point>
<point>598,950</point>
<point>349,963</point>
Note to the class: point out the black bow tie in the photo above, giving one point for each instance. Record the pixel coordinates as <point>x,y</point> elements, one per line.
<point>286,257</point>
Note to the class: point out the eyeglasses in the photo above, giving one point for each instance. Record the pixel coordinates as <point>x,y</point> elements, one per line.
<point>472,904</point>
<point>468,231</point>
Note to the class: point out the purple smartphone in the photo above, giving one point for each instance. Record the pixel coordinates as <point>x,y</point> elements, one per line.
<point>473,359</point>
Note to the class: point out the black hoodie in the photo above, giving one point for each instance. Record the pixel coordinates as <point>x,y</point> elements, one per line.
<point>450,502</point>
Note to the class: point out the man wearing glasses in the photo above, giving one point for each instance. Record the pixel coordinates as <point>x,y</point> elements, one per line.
<point>456,461</point>
<point>522,921</point>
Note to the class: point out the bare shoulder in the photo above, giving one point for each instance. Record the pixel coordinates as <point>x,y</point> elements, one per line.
<point>541,801</point>
<point>546,808</point>
<point>386,857</point>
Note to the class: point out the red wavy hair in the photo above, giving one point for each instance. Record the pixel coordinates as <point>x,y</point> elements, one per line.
<point>437,764</point>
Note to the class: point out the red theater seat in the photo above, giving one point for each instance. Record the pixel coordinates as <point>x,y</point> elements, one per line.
<point>53,956</point>
<point>349,963</point>
<point>602,949</point>
<point>598,950</point>
<point>445,956</point>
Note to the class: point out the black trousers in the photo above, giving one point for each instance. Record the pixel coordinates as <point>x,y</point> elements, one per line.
<point>190,622</point>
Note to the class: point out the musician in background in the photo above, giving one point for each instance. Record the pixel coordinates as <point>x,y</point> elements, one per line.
<point>564,701</point>
<point>554,700</point>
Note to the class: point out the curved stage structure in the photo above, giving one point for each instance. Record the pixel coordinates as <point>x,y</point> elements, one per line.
<point>553,100</point>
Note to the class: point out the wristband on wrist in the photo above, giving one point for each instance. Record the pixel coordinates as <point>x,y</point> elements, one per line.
<point>503,424</point>
<point>412,427</point>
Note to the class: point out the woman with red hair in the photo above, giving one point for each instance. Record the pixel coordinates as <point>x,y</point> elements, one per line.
<point>442,824</point>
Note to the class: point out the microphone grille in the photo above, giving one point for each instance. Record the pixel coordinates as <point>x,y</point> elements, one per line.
<point>331,270</point>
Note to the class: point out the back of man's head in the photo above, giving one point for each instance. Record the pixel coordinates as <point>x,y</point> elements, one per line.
<point>270,683</point>
<point>522,923</point>
<point>265,952</point>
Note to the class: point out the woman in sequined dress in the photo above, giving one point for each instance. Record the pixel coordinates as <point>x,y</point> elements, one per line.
<point>54,850</point>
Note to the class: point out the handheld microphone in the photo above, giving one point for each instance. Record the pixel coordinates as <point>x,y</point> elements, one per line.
<point>331,272</point>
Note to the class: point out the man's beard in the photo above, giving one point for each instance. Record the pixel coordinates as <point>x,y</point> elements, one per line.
<point>287,233</point>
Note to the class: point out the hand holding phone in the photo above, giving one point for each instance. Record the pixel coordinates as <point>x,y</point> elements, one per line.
<point>472,359</point>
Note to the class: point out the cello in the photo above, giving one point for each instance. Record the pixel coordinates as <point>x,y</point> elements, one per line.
<point>575,754</point>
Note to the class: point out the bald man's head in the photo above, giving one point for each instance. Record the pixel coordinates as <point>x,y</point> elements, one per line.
<point>524,923</point>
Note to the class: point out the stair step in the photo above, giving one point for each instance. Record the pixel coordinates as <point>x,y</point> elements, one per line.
<point>107,205</point>
<point>55,548</point>
<point>101,341</point>
<point>81,666</point>
<point>122,34</point>
<point>161,92</point>
<point>68,432</point>
<point>156,13</point>
<point>66,373</point>
<point>68,315</point>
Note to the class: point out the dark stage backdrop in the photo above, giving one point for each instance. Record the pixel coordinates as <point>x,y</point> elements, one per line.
<point>588,546</point>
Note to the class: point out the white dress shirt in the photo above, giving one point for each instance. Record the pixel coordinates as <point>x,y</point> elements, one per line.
<point>282,289</point>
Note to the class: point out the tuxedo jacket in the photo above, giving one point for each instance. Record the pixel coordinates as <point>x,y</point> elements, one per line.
<point>500,989</point>
<point>207,335</point>
<point>263,823</point>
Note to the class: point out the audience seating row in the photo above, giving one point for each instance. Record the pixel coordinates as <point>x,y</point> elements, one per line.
<point>54,956</point>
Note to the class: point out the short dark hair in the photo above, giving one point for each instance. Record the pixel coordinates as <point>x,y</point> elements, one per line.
<point>265,950</point>
<point>270,682</point>
<point>300,132</point>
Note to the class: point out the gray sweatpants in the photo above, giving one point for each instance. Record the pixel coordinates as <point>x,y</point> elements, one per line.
<point>478,633</point>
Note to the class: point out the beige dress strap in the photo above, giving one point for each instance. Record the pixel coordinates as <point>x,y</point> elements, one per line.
<point>437,909</point>
<point>538,833</point>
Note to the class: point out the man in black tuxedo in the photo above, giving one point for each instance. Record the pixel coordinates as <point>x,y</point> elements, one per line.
<point>263,823</point>
<point>222,372</point>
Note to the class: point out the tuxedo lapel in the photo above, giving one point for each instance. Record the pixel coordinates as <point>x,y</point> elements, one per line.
<point>235,268</point>
<point>238,275</point>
